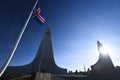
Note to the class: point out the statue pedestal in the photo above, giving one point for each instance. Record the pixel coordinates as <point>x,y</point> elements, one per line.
<point>42,76</point>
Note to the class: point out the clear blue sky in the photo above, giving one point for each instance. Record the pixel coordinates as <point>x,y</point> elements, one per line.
<point>76,25</point>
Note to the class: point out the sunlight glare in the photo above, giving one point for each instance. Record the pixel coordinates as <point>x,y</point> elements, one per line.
<point>106,50</point>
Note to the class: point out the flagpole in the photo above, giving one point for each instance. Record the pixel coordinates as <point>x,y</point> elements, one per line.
<point>17,42</point>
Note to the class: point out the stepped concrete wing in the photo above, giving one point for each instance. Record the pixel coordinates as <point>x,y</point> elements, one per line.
<point>104,65</point>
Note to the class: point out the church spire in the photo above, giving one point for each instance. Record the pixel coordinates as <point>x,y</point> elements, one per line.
<point>45,57</point>
<point>48,32</point>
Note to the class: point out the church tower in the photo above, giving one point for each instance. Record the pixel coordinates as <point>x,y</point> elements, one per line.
<point>43,61</point>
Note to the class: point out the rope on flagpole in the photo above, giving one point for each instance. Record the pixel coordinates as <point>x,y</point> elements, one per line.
<point>17,42</point>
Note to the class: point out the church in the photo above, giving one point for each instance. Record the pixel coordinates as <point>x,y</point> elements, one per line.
<point>43,62</point>
<point>104,65</point>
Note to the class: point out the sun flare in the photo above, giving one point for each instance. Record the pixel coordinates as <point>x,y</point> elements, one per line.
<point>105,50</point>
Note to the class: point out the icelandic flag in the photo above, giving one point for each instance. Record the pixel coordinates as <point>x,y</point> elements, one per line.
<point>36,15</point>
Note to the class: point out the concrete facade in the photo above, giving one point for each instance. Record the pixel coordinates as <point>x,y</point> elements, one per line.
<point>104,65</point>
<point>43,62</point>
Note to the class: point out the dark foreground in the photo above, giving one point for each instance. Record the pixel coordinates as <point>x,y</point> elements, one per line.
<point>46,76</point>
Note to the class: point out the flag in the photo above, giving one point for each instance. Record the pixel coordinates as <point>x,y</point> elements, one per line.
<point>36,15</point>
<point>99,45</point>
